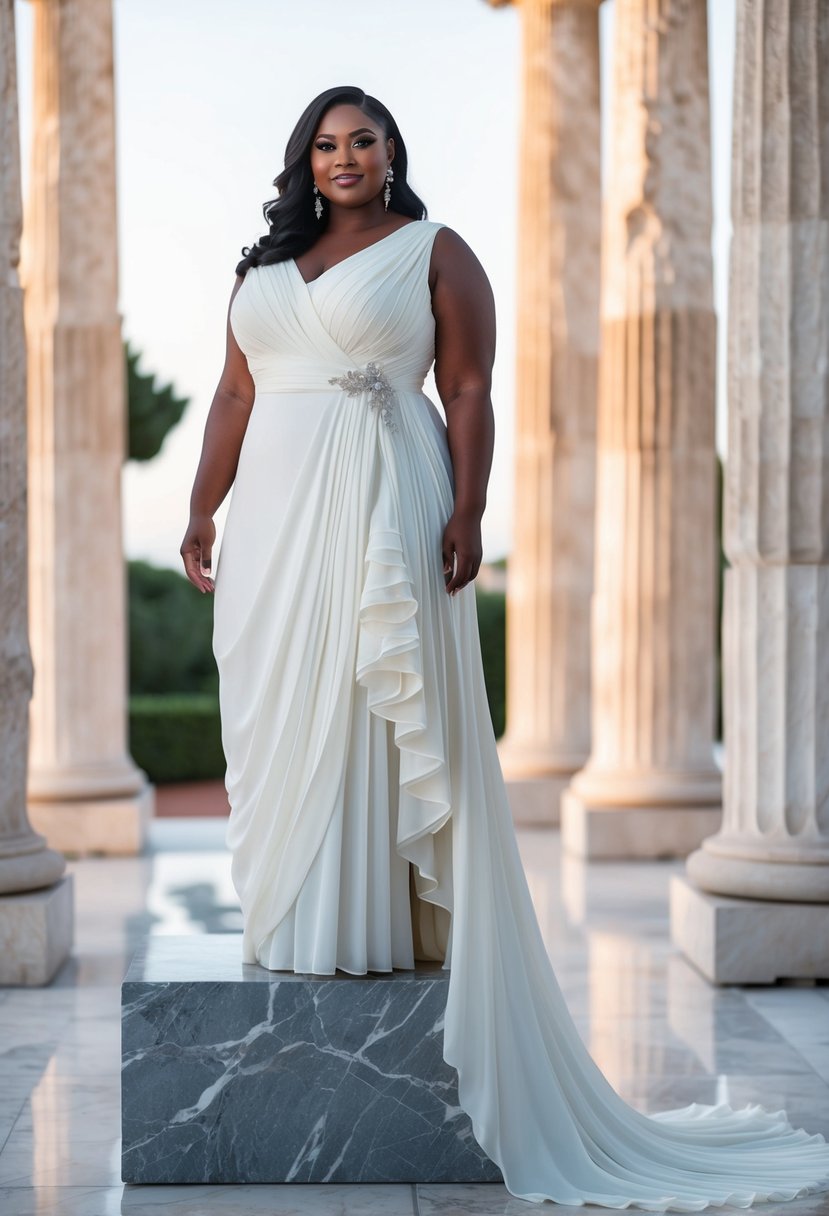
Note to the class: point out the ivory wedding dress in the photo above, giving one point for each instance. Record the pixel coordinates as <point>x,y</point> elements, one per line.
<point>369,819</point>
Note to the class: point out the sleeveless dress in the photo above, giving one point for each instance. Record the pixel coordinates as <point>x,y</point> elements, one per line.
<point>369,823</point>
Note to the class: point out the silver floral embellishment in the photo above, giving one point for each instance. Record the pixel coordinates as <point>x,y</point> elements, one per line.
<point>374,382</point>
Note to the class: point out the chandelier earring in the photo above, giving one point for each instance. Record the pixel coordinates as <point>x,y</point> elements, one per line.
<point>387,191</point>
<point>317,202</point>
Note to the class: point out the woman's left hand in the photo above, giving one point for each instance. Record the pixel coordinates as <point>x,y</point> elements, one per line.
<point>461,538</point>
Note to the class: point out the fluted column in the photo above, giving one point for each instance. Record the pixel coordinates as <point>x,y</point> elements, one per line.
<point>550,567</point>
<point>773,848</point>
<point>84,789</point>
<point>651,786</point>
<point>35,900</point>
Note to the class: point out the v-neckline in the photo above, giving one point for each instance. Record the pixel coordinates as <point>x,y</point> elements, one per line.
<point>309,283</point>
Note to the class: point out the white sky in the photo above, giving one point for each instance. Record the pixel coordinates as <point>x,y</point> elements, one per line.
<point>207,93</point>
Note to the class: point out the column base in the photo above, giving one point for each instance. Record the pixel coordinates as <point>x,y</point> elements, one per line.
<point>111,827</point>
<point>535,802</point>
<point>36,933</point>
<point>748,941</point>
<point>31,867</point>
<point>232,1073</point>
<point>599,832</point>
<point>535,782</point>
<point>715,868</point>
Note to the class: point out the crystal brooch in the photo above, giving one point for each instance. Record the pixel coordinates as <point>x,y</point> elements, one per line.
<point>374,382</point>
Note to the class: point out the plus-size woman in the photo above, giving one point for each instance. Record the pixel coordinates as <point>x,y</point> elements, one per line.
<point>369,823</point>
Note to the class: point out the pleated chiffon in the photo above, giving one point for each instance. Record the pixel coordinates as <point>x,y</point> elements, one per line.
<point>369,823</point>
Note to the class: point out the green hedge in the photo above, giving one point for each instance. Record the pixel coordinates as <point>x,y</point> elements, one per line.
<point>170,632</point>
<point>176,736</point>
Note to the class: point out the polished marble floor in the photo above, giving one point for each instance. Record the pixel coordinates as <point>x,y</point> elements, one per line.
<point>661,1033</point>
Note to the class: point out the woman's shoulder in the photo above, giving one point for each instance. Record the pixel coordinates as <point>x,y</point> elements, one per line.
<point>447,236</point>
<point>449,247</point>
<point>425,225</point>
<point>434,225</point>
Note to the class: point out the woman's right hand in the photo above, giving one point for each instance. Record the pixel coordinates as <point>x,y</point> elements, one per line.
<point>196,550</point>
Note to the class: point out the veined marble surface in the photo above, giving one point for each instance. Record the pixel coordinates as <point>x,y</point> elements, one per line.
<point>302,1078</point>
<point>661,1033</point>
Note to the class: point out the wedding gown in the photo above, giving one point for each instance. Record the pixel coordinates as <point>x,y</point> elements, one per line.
<point>369,819</point>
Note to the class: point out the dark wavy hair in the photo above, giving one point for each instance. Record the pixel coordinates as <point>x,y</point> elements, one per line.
<point>292,223</point>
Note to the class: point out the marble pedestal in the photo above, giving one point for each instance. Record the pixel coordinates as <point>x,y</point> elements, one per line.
<point>749,941</point>
<point>36,933</point>
<point>237,1074</point>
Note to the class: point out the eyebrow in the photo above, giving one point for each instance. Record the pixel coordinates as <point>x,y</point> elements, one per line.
<point>325,135</point>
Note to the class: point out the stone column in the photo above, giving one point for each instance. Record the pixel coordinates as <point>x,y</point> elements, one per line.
<point>35,900</point>
<point>651,786</point>
<point>84,789</point>
<point>550,568</point>
<point>770,860</point>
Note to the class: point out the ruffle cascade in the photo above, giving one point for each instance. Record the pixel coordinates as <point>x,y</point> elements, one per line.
<point>390,666</point>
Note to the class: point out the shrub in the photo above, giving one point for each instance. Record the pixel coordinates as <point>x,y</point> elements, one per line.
<point>492,624</point>
<point>176,737</point>
<point>170,633</point>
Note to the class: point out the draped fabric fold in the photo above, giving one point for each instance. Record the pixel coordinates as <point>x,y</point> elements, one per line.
<point>369,824</point>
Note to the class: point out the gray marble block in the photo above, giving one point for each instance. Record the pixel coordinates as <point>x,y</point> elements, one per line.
<point>236,1074</point>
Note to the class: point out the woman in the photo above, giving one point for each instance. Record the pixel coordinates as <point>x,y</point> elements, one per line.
<point>369,822</point>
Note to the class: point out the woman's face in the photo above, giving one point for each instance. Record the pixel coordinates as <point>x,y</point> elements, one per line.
<point>349,143</point>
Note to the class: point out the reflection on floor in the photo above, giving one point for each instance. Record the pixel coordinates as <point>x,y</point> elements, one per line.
<point>661,1034</point>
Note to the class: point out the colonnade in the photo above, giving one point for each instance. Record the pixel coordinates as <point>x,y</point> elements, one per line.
<point>613,579</point>
<point>753,905</point>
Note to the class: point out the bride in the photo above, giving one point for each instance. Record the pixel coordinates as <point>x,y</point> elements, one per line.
<point>369,823</point>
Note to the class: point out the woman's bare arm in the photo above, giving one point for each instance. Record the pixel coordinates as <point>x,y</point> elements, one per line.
<point>464,310</point>
<point>224,431</point>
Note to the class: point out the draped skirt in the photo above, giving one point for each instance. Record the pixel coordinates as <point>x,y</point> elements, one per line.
<point>370,823</point>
